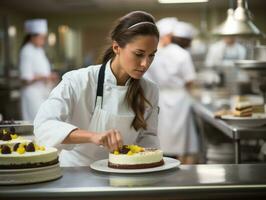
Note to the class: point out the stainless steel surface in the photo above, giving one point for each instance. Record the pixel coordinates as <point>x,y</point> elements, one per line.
<point>260,53</point>
<point>187,182</point>
<point>257,73</point>
<point>251,64</point>
<point>238,22</point>
<point>235,133</point>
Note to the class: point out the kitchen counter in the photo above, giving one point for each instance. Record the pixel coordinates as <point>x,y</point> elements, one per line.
<point>186,182</point>
<point>206,112</point>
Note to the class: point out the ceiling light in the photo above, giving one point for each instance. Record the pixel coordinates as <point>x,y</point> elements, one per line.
<point>182,1</point>
<point>238,22</point>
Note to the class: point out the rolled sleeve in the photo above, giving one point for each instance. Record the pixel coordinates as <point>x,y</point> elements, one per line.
<point>51,125</point>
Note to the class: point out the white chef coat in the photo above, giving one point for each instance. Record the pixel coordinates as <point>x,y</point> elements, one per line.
<point>71,105</point>
<point>171,69</point>
<point>220,54</point>
<point>33,62</point>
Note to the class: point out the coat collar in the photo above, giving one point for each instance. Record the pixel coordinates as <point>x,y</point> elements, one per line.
<point>110,77</point>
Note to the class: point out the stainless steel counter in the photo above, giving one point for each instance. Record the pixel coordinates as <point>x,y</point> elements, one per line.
<point>187,182</point>
<point>235,133</point>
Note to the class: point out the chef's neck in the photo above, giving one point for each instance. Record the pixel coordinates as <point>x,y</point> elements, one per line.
<point>165,40</point>
<point>119,73</point>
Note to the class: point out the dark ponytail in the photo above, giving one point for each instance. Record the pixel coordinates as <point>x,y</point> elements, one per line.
<point>124,32</point>
<point>27,38</point>
<point>108,55</point>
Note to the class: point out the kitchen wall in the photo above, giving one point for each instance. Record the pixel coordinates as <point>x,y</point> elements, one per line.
<point>85,33</point>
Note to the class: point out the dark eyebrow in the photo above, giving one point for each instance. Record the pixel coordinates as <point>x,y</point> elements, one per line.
<point>140,50</point>
<point>144,51</point>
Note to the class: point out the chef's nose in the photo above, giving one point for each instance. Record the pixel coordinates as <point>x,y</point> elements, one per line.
<point>145,62</point>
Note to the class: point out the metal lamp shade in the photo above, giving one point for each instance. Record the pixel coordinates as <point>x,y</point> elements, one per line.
<point>237,22</point>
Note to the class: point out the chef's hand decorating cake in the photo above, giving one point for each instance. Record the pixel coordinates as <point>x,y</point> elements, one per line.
<point>135,157</point>
<point>18,153</point>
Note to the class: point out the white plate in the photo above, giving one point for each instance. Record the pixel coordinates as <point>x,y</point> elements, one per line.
<point>256,120</point>
<point>102,165</point>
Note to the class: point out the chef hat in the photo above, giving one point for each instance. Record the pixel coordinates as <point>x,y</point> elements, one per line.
<point>184,30</point>
<point>36,26</point>
<point>166,25</point>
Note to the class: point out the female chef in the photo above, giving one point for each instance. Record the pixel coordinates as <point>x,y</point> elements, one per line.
<point>105,105</point>
<point>35,70</point>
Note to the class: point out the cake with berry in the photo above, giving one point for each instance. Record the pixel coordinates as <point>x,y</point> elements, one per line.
<point>135,157</point>
<point>10,138</point>
<point>18,153</point>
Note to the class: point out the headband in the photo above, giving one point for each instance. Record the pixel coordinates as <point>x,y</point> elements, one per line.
<point>140,23</point>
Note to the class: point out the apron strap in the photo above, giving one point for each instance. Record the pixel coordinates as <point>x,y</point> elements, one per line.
<point>99,94</point>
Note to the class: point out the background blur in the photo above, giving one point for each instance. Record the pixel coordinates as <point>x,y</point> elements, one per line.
<point>78,28</point>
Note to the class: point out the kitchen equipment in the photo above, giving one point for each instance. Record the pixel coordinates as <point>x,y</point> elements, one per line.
<point>257,72</point>
<point>238,22</point>
<point>260,53</point>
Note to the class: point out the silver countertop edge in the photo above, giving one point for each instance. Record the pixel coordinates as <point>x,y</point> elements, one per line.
<point>99,190</point>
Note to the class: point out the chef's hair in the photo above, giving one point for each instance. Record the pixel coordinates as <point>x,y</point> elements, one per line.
<point>133,24</point>
<point>27,38</point>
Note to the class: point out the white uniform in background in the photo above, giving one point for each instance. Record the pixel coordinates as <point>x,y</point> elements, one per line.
<point>223,56</point>
<point>171,69</point>
<point>220,54</point>
<point>71,105</point>
<point>33,62</point>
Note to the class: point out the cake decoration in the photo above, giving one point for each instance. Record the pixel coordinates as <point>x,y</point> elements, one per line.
<point>21,149</point>
<point>5,149</point>
<point>17,152</point>
<point>6,135</point>
<point>30,147</point>
<point>129,150</point>
<point>135,157</point>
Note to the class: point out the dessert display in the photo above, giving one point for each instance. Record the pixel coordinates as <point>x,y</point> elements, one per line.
<point>24,161</point>
<point>17,152</point>
<point>243,109</point>
<point>135,157</point>
<point>10,138</point>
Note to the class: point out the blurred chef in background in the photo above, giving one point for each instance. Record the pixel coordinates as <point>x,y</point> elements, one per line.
<point>173,71</point>
<point>225,52</point>
<point>35,69</point>
<point>220,59</point>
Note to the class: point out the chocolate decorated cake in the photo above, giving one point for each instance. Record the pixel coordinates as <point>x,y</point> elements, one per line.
<point>17,152</point>
<point>135,157</point>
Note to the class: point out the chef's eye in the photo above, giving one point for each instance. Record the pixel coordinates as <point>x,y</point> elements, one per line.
<point>152,56</point>
<point>139,54</point>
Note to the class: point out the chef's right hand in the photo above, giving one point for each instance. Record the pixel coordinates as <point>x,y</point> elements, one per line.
<point>110,139</point>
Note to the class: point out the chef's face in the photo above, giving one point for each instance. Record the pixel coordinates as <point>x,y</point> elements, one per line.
<point>136,57</point>
<point>39,40</point>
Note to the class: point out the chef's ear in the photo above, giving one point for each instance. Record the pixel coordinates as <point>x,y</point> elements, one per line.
<point>115,47</point>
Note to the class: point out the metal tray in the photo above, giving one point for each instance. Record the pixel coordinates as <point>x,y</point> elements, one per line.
<point>251,64</point>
